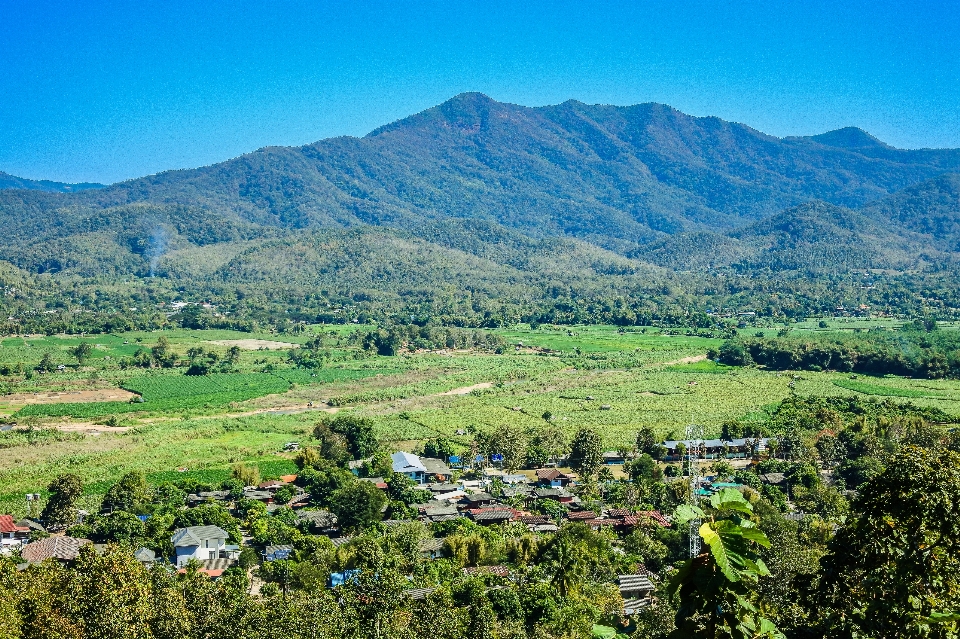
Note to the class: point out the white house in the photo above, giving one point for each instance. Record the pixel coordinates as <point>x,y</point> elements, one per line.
<point>409,465</point>
<point>198,542</point>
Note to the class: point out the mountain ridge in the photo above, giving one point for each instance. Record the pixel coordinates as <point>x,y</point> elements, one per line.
<point>647,182</point>
<point>8,181</point>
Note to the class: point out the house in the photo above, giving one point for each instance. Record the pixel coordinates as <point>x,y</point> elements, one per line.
<point>498,571</point>
<point>12,534</point>
<point>436,508</point>
<point>318,520</point>
<point>376,481</point>
<point>614,458</point>
<point>442,488</point>
<point>273,553</point>
<point>410,465</point>
<point>488,516</point>
<point>195,499</point>
<point>264,496</point>
<point>581,515</point>
<point>477,500</point>
<point>553,478</point>
<point>431,547</point>
<point>145,556</point>
<point>741,448</point>
<point>198,542</point>
<point>774,479</point>
<point>637,592</point>
<point>556,494</point>
<point>436,468</point>
<point>59,548</point>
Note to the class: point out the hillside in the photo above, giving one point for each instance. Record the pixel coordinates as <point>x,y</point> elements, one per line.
<point>8,181</point>
<point>494,199</point>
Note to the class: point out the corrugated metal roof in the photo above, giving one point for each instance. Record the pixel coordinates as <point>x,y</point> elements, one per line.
<point>407,463</point>
<point>196,535</point>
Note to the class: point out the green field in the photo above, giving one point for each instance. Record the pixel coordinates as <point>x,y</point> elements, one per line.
<point>592,376</point>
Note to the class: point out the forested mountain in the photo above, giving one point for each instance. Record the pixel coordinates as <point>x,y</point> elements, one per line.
<point>8,181</point>
<point>486,197</point>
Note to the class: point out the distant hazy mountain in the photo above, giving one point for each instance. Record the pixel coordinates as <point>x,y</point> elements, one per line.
<point>501,182</point>
<point>8,181</point>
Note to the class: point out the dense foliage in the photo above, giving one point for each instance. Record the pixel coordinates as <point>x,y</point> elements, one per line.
<point>916,350</point>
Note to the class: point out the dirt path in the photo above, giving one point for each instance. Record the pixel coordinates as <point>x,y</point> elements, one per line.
<point>685,360</point>
<point>91,429</point>
<point>78,397</point>
<point>466,390</point>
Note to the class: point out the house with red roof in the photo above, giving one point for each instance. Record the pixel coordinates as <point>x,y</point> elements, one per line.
<point>11,534</point>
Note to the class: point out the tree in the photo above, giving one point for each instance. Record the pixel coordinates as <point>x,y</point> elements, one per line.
<point>734,353</point>
<point>109,595</point>
<point>361,440</point>
<point>247,474</point>
<point>120,526</point>
<point>716,587</point>
<point>81,352</point>
<point>511,442</point>
<point>564,561</point>
<point>130,494</point>
<point>358,505</point>
<point>440,448</point>
<point>60,510</point>
<point>893,569</point>
<point>586,452</point>
<point>233,355</point>
<point>647,442</point>
<point>47,365</point>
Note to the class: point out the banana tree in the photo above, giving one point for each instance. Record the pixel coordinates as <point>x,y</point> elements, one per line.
<point>716,587</point>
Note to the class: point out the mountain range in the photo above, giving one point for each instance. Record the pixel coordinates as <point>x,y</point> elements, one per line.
<point>8,181</point>
<point>490,188</point>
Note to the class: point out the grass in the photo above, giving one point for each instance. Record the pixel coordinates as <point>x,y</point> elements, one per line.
<point>605,379</point>
<point>171,392</point>
<point>206,447</point>
<point>876,389</point>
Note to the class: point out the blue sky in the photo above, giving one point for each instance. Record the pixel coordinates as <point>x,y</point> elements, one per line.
<point>110,91</point>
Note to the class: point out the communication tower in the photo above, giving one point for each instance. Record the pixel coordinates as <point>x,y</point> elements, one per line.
<point>695,450</point>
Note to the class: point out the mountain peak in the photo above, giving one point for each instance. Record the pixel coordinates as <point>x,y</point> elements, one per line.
<point>849,137</point>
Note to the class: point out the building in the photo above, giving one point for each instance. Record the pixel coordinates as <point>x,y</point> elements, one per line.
<point>273,553</point>
<point>145,556</point>
<point>12,534</point>
<point>60,548</point>
<point>432,547</point>
<point>436,468</point>
<point>200,543</point>
<point>410,465</point>
<point>637,592</point>
<point>553,478</point>
<point>741,448</point>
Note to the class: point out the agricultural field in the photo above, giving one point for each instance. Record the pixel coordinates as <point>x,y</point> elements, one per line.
<point>598,376</point>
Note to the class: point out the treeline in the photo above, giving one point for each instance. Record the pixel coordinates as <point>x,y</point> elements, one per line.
<point>917,350</point>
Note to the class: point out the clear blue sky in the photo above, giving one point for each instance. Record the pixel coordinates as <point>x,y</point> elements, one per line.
<point>107,91</point>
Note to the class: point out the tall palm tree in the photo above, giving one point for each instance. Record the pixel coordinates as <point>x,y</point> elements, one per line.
<point>566,565</point>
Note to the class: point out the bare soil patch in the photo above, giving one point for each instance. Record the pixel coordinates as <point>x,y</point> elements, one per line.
<point>73,397</point>
<point>91,429</point>
<point>254,344</point>
<point>465,390</point>
<point>686,360</point>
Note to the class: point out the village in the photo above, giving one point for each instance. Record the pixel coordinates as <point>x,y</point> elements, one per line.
<point>447,498</point>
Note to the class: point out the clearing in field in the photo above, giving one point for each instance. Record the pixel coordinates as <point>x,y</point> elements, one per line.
<point>254,344</point>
